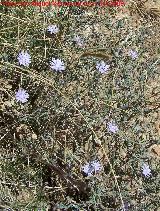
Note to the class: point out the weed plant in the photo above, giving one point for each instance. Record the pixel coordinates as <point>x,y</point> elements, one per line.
<point>83,136</point>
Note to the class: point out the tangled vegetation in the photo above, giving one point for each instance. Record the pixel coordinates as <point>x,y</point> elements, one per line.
<point>79,108</point>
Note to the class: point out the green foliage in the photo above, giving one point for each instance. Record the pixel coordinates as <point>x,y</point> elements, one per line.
<point>46,141</point>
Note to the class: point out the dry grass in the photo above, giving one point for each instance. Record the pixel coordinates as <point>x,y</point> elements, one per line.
<point>45,142</point>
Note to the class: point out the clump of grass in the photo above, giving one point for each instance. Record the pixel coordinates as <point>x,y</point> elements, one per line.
<point>78,122</point>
